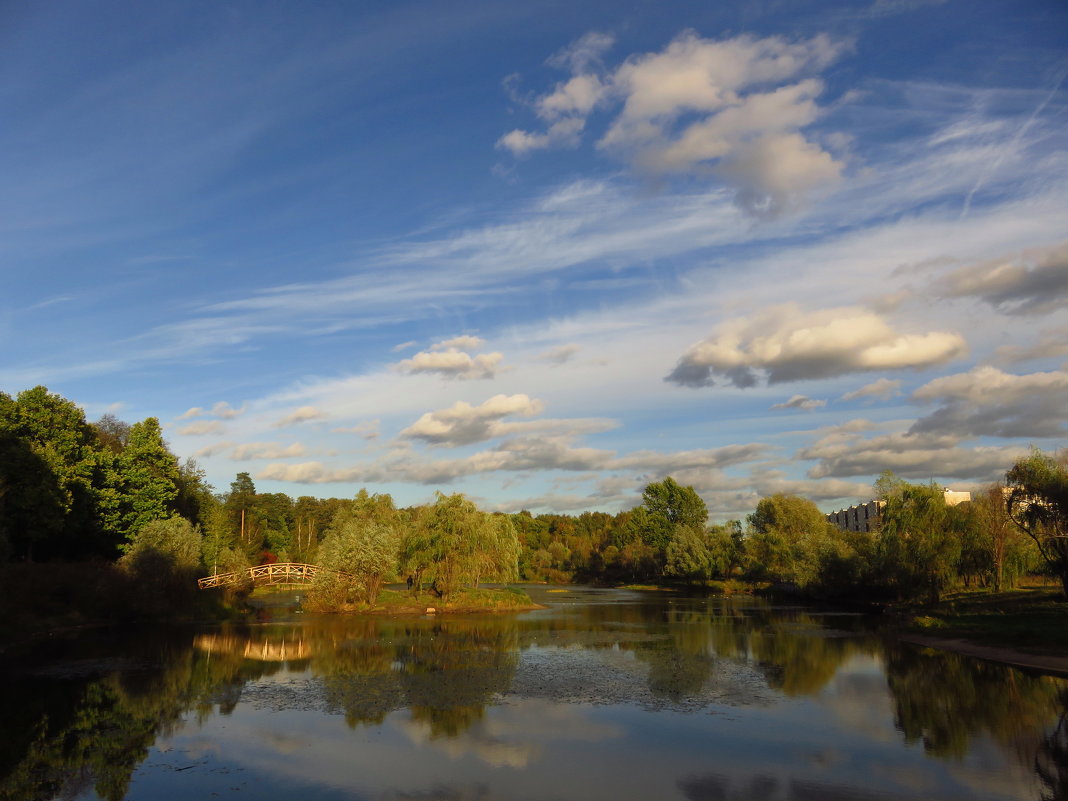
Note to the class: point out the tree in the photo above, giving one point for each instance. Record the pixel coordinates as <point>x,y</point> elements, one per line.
<point>150,475</point>
<point>726,544</point>
<point>665,507</point>
<point>54,431</point>
<point>163,557</point>
<point>786,538</point>
<point>688,555</point>
<point>1038,504</point>
<point>918,549</point>
<point>364,552</point>
<point>240,504</point>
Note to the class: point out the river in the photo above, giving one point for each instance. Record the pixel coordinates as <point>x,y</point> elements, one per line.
<point>604,694</point>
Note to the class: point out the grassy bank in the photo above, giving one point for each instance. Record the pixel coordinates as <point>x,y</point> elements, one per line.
<point>1033,617</point>
<point>399,602</point>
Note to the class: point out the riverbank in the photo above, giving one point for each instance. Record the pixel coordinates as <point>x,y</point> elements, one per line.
<point>1025,627</point>
<point>466,601</point>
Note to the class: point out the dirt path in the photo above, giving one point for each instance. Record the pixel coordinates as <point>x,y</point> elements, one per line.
<point>1046,663</point>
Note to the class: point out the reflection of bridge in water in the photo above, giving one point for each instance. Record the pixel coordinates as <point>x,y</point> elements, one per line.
<point>263,650</point>
<point>278,573</point>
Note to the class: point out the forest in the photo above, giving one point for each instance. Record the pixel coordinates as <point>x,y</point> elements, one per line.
<point>112,493</point>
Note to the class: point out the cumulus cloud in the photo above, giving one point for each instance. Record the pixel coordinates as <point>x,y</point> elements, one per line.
<point>202,428</point>
<point>801,402</point>
<point>304,414</point>
<point>1034,282</point>
<point>786,344</point>
<point>988,402</point>
<point>451,360</point>
<point>463,424</point>
<point>701,106</point>
<point>560,354</point>
<point>266,450</point>
<point>883,389</point>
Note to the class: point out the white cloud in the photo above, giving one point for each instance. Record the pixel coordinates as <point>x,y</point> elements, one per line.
<point>883,389</point>
<point>465,342</point>
<point>404,346</point>
<point>751,140</point>
<point>450,362</point>
<point>516,455</point>
<point>266,450</point>
<point>201,428</point>
<point>786,344</point>
<point>304,414</point>
<point>987,401</point>
<point>225,411</point>
<point>463,424</point>
<point>222,410</point>
<point>801,402</point>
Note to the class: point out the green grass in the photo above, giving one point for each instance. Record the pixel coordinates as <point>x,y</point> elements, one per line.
<point>483,599</point>
<point>1034,617</point>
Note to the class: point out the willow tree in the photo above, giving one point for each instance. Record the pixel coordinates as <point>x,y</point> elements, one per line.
<point>360,550</point>
<point>452,544</point>
<point>1038,504</point>
<point>918,547</point>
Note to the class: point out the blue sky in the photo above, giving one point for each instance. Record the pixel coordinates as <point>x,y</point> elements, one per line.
<point>544,253</point>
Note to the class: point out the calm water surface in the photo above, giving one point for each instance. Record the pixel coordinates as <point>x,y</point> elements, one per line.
<point>606,694</point>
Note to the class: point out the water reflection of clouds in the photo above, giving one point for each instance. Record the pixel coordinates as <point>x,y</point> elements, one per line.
<point>514,735</point>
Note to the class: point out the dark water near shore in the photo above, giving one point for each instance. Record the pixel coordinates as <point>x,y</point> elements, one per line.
<point>604,695</point>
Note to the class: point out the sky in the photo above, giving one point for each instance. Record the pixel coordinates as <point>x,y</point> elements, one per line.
<point>544,253</point>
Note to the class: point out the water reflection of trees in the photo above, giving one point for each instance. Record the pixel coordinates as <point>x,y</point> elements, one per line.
<point>91,729</point>
<point>946,701</point>
<point>1051,761</point>
<point>75,732</point>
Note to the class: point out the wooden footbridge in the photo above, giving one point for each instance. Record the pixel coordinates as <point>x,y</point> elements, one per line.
<point>278,573</point>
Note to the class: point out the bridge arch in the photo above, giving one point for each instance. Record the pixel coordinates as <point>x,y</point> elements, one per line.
<point>277,573</point>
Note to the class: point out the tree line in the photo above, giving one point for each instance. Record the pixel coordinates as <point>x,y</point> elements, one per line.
<point>71,490</point>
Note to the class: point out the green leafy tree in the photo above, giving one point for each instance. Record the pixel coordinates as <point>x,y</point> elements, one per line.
<point>359,554</point>
<point>1038,504</point>
<point>63,444</point>
<point>32,503</point>
<point>689,556</point>
<point>918,546</point>
<point>726,544</point>
<point>666,506</point>
<point>150,474</point>
<point>786,538</point>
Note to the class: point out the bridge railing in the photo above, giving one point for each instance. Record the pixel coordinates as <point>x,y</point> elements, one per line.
<point>277,573</point>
